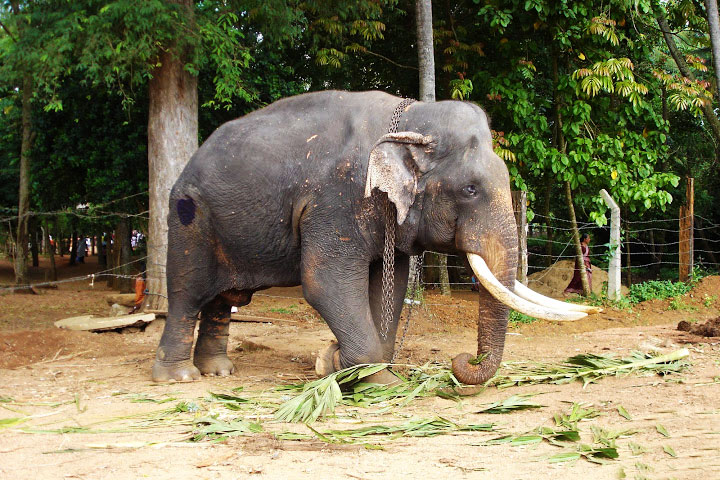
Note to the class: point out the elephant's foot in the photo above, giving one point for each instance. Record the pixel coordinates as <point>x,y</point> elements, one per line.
<point>383,377</point>
<point>174,372</point>
<point>211,350</point>
<point>328,361</point>
<point>214,365</point>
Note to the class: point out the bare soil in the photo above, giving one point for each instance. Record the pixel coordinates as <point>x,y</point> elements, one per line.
<point>56,379</point>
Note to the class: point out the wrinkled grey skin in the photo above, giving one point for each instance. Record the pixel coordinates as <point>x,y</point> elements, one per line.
<point>276,198</point>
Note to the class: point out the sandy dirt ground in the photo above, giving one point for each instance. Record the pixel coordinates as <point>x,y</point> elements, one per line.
<point>81,405</point>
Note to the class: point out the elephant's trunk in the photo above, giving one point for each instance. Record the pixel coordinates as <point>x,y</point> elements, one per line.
<point>495,301</point>
<point>492,325</point>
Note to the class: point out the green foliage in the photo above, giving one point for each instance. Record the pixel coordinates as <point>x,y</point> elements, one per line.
<point>657,289</point>
<point>321,396</point>
<point>588,368</point>
<point>228,56</point>
<point>517,318</point>
<point>678,304</point>
<point>286,310</point>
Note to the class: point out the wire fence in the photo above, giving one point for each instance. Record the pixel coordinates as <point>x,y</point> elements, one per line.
<point>646,244</point>
<point>650,244</point>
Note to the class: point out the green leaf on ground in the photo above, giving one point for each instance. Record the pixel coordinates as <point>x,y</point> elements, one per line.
<point>624,413</point>
<point>669,450</point>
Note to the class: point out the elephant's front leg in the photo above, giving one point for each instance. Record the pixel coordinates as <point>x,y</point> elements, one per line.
<point>388,329</point>
<point>211,347</point>
<point>337,287</point>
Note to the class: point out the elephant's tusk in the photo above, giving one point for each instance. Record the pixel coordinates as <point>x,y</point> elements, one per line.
<point>532,296</point>
<point>502,294</point>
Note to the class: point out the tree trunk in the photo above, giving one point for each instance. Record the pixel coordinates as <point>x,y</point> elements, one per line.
<point>426,65</point>
<point>444,276</point>
<point>34,249</point>
<point>579,261</point>
<point>714,27</point>
<point>101,251</point>
<point>51,252</point>
<point>706,108</point>
<point>172,139</point>
<point>548,226</point>
<point>21,249</point>
<point>73,247</point>
<point>110,259</point>
<point>44,246</point>
<point>426,52</point>
<point>123,254</point>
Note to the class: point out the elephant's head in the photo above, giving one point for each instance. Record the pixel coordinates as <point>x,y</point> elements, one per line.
<point>452,194</point>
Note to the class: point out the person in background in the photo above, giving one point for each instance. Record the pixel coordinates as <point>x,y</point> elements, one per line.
<point>575,285</point>
<point>81,250</point>
<point>139,289</point>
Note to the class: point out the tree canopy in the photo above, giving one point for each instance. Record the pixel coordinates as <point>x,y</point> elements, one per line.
<point>612,94</point>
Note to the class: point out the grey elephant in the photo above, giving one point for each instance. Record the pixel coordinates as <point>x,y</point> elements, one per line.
<point>298,193</point>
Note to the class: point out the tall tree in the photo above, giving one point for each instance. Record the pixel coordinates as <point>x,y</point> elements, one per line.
<point>705,103</point>
<point>33,56</point>
<point>172,139</point>
<point>711,9</point>
<point>26,89</point>
<point>425,48</point>
<point>426,64</point>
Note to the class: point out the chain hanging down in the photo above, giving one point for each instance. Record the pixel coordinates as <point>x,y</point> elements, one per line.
<point>388,274</point>
<point>389,211</point>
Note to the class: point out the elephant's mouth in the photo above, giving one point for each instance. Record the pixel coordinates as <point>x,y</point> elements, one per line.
<point>525,300</point>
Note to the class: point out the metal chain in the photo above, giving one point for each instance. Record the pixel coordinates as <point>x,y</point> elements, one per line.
<point>388,275</point>
<point>395,119</point>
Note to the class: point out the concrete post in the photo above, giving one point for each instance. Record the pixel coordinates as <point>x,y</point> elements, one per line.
<point>615,264</point>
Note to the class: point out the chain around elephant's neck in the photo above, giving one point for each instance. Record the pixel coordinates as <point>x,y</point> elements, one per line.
<point>388,274</point>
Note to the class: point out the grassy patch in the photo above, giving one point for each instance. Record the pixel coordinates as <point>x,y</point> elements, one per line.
<point>657,289</point>
<point>517,318</point>
<point>286,310</point>
<point>678,304</point>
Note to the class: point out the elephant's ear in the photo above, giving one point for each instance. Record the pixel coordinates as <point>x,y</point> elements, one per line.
<point>396,162</point>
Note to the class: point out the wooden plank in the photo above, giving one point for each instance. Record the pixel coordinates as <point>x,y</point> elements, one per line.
<point>97,324</point>
<point>257,319</point>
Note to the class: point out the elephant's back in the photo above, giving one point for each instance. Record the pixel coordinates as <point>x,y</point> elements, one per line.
<point>254,174</point>
<point>298,138</point>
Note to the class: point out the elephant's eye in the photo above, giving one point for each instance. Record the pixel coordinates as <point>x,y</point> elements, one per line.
<point>470,190</point>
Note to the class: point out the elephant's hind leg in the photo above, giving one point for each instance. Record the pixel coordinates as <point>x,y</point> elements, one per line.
<point>211,347</point>
<point>172,360</point>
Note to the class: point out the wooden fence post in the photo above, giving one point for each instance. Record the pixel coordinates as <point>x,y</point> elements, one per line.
<point>687,213</point>
<point>615,262</point>
<point>519,200</point>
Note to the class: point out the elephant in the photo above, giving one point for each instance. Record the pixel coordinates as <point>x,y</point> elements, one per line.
<point>300,193</point>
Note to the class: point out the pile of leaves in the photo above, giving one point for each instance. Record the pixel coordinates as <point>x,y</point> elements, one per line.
<point>237,413</point>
